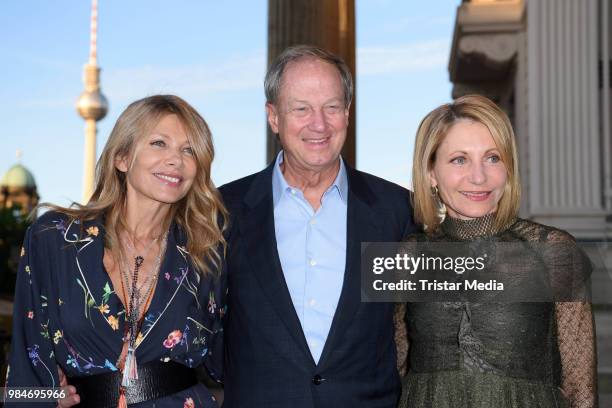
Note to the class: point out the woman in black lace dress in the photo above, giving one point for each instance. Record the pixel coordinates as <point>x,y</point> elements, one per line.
<point>485,354</point>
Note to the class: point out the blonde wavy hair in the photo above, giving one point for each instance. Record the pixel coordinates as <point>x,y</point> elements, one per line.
<point>430,134</point>
<point>201,213</point>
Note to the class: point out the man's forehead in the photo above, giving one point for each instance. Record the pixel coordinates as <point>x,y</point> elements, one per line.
<point>301,70</point>
<point>309,61</point>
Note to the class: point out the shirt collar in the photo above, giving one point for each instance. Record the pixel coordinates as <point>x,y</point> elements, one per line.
<point>280,185</point>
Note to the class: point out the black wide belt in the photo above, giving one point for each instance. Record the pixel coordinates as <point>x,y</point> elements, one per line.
<point>155,380</point>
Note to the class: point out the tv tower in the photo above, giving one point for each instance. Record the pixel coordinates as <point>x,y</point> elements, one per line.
<point>92,106</point>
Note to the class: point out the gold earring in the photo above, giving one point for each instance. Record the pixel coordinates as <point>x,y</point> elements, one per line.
<point>440,206</point>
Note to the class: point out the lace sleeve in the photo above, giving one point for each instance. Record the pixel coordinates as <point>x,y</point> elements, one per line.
<point>401,338</point>
<point>576,330</point>
<point>576,338</point>
<point>402,343</point>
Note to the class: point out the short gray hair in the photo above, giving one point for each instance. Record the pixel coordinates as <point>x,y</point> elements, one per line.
<point>274,75</point>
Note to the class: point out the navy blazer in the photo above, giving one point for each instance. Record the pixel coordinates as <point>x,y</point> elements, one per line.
<point>268,362</point>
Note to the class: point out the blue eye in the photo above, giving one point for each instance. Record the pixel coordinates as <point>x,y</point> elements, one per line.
<point>188,150</point>
<point>159,143</point>
<point>494,158</point>
<point>458,160</point>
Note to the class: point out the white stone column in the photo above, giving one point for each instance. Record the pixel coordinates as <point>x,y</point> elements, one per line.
<point>565,144</point>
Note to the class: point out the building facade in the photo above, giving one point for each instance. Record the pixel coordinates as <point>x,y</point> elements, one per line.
<point>547,64</point>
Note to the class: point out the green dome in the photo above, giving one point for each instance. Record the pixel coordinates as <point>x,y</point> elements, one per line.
<point>18,176</point>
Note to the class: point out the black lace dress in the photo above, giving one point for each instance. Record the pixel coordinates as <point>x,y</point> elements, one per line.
<point>462,354</point>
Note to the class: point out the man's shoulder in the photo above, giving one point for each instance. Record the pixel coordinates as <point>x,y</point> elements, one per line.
<point>234,192</point>
<point>389,201</point>
<point>237,186</point>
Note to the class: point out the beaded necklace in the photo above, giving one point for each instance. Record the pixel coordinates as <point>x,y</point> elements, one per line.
<point>137,302</point>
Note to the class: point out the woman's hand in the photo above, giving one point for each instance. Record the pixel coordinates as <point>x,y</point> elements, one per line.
<point>71,398</point>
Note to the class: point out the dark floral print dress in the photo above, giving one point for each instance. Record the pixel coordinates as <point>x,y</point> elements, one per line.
<point>68,314</point>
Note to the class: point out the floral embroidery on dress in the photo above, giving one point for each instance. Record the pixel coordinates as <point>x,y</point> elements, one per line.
<point>93,230</point>
<point>82,364</point>
<point>107,293</point>
<point>113,322</point>
<point>35,359</point>
<point>139,339</point>
<point>103,307</point>
<point>212,305</point>
<point>45,330</point>
<point>88,300</point>
<point>149,321</point>
<point>111,366</point>
<point>173,339</point>
<point>185,337</point>
<point>60,225</point>
<point>33,354</point>
<point>180,276</point>
<point>188,403</point>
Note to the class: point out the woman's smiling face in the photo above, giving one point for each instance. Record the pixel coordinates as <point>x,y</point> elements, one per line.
<point>163,166</point>
<point>468,171</point>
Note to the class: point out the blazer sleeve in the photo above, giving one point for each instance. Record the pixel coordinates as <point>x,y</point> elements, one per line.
<point>31,360</point>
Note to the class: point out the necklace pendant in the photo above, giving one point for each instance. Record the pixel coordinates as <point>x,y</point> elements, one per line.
<point>130,368</point>
<point>138,261</point>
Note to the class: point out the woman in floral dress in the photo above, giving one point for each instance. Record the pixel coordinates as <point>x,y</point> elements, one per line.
<point>125,294</point>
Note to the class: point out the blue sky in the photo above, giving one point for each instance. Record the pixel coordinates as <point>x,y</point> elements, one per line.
<point>213,54</point>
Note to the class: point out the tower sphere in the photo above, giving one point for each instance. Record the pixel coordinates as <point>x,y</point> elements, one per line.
<point>92,105</point>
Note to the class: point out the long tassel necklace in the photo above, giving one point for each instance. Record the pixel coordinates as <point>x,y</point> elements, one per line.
<point>133,320</point>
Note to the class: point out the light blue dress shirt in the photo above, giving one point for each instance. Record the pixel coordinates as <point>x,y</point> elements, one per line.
<point>312,250</point>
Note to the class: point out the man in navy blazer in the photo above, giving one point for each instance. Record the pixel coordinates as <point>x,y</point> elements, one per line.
<point>297,334</point>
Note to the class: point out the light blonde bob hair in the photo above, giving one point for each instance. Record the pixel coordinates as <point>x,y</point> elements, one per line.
<point>432,131</point>
<point>200,214</point>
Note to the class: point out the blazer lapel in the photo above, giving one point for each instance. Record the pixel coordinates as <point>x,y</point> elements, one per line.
<point>258,233</point>
<point>360,228</point>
